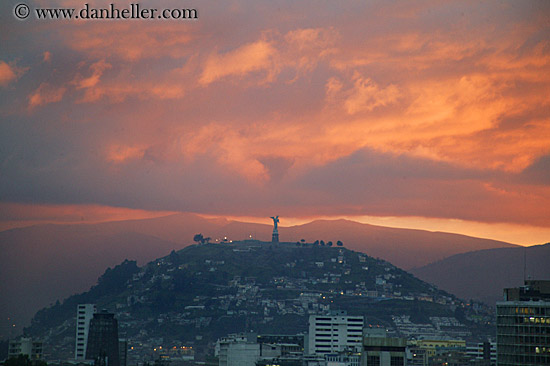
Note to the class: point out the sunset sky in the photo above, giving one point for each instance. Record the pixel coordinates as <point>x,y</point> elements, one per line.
<point>424,114</point>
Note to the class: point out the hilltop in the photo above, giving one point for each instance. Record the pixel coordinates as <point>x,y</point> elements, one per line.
<point>202,292</point>
<point>49,262</point>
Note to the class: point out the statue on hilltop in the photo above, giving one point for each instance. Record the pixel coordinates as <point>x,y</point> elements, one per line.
<point>275,235</point>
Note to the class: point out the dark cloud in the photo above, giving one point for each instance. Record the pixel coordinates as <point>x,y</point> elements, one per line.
<point>537,173</point>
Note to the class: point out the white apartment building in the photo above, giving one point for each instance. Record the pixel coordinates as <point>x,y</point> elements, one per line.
<point>334,333</point>
<point>84,313</point>
<point>25,346</point>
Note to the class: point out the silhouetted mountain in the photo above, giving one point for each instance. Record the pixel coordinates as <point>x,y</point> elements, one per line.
<point>202,292</point>
<point>483,274</point>
<point>406,248</point>
<point>44,263</point>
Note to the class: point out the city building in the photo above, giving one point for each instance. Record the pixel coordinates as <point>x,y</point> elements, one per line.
<point>380,350</point>
<point>343,359</point>
<point>334,333</point>
<point>238,349</point>
<point>249,349</point>
<point>25,346</point>
<point>122,351</point>
<point>451,357</point>
<point>437,346</point>
<point>84,313</point>
<point>416,356</point>
<point>103,341</point>
<point>484,353</point>
<point>523,325</point>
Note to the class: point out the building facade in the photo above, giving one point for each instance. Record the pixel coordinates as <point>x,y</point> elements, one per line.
<point>380,350</point>
<point>25,346</point>
<point>484,353</point>
<point>103,341</point>
<point>238,349</point>
<point>343,359</point>
<point>523,325</point>
<point>333,333</point>
<point>84,313</point>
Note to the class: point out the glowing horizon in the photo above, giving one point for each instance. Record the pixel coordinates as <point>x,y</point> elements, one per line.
<point>19,216</point>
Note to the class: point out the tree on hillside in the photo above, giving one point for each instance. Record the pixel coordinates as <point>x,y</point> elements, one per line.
<point>174,257</point>
<point>329,243</point>
<point>339,243</point>
<point>198,238</point>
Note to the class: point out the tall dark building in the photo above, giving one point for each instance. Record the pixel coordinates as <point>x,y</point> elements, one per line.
<point>103,340</point>
<point>523,325</point>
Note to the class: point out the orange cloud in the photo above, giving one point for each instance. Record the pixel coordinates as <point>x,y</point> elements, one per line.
<point>119,154</point>
<point>300,49</point>
<point>248,58</point>
<point>46,56</point>
<point>151,40</point>
<point>229,148</point>
<point>9,73</point>
<point>97,70</point>
<point>367,95</point>
<point>46,94</point>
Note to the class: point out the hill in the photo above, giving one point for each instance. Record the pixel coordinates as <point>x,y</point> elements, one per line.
<point>49,262</point>
<point>200,293</point>
<point>482,274</point>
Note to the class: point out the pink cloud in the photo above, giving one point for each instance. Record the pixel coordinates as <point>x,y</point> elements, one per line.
<point>46,94</point>
<point>256,56</point>
<point>47,56</point>
<point>367,95</point>
<point>300,49</point>
<point>9,73</point>
<point>132,43</point>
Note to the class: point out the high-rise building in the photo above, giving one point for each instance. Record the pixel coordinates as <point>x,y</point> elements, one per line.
<point>380,350</point>
<point>123,351</point>
<point>523,325</point>
<point>25,346</point>
<point>84,313</point>
<point>103,341</point>
<point>334,333</point>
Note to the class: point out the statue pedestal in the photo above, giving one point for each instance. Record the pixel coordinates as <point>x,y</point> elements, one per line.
<point>275,237</point>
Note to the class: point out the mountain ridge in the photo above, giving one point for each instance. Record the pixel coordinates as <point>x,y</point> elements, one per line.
<point>482,274</point>
<point>37,275</point>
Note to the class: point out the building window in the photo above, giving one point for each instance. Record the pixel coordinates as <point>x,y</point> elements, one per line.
<point>373,360</point>
<point>396,361</point>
